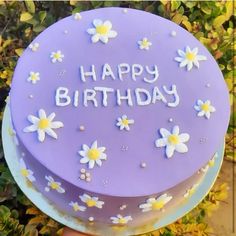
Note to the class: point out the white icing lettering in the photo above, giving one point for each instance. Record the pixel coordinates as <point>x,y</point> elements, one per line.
<point>123,68</point>
<point>136,70</point>
<point>152,72</point>
<point>76,98</point>
<point>104,91</point>
<point>139,100</point>
<point>89,95</point>
<point>85,74</point>
<point>62,98</point>
<point>107,72</point>
<point>157,96</point>
<point>127,97</point>
<point>173,91</point>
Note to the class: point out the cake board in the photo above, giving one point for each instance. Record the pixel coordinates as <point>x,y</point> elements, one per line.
<point>12,158</point>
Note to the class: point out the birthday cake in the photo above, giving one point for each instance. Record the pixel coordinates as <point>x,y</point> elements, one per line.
<point>117,115</point>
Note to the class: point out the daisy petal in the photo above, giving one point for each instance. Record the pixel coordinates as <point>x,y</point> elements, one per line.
<point>30,128</point>
<point>108,24</point>
<point>91,31</point>
<point>97,22</point>
<point>104,39</point>
<point>33,119</point>
<point>181,147</point>
<point>51,133</point>
<point>112,34</point>
<point>184,137</point>
<point>175,130</point>
<point>95,38</point>
<point>161,142</point>
<point>42,114</point>
<point>170,150</point>
<point>164,132</point>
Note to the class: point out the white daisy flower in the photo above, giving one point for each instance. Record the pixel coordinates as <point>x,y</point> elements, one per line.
<point>210,163</point>
<point>12,133</point>
<point>173,141</point>
<point>33,77</point>
<point>124,122</point>
<point>29,174</point>
<point>77,16</point>
<point>91,201</point>
<point>144,44</point>
<point>189,58</point>
<point>52,184</point>
<point>155,203</point>
<point>43,124</point>
<point>92,155</point>
<point>119,219</point>
<point>76,206</point>
<point>205,168</point>
<point>56,56</point>
<point>204,108</point>
<point>191,191</point>
<point>34,46</point>
<point>102,31</point>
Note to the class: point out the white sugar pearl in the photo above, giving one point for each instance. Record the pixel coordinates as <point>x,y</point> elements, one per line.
<point>173,33</point>
<point>143,165</point>
<point>81,128</point>
<point>82,176</point>
<point>87,174</point>
<point>88,179</point>
<point>91,219</point>
<point>82,170</point>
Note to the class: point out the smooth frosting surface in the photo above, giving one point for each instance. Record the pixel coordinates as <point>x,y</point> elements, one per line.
<point>156,138</point>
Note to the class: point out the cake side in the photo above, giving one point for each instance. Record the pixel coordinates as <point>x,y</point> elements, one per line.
<point>76,202</point>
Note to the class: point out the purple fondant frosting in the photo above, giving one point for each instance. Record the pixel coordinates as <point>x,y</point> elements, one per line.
<point>126,150</point>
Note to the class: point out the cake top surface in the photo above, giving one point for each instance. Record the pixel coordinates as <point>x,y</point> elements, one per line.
<point>139,103</point>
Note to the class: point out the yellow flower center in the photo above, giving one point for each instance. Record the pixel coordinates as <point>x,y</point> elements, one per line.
<point>91,203</point>
<point>125,122</point>
<point>10,131</point>
<point>191,191</point>
<point>34,77</point>
<point>157,205</point>
<point>190,56</point>
<point>205,107</point>
<point>102,29</point>
<point>43,123</point>
<point>75,207</point>
<point>145,43</point>
<point>24,172</point>
<point>173,139</point>
<point>57,55</point>
<point>54,185</point>
<point>93,154</point>
<point>211,162</point>
<point>122,220</point>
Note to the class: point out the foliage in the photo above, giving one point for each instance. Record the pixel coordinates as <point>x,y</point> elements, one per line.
<point>20,22</point>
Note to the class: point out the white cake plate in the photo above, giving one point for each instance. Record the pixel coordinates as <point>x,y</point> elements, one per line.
<point>45,206</point>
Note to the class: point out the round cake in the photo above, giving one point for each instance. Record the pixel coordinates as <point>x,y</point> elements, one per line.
<point>117,115</point>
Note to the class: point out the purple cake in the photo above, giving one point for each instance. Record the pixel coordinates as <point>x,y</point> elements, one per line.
<point>118,114</point>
